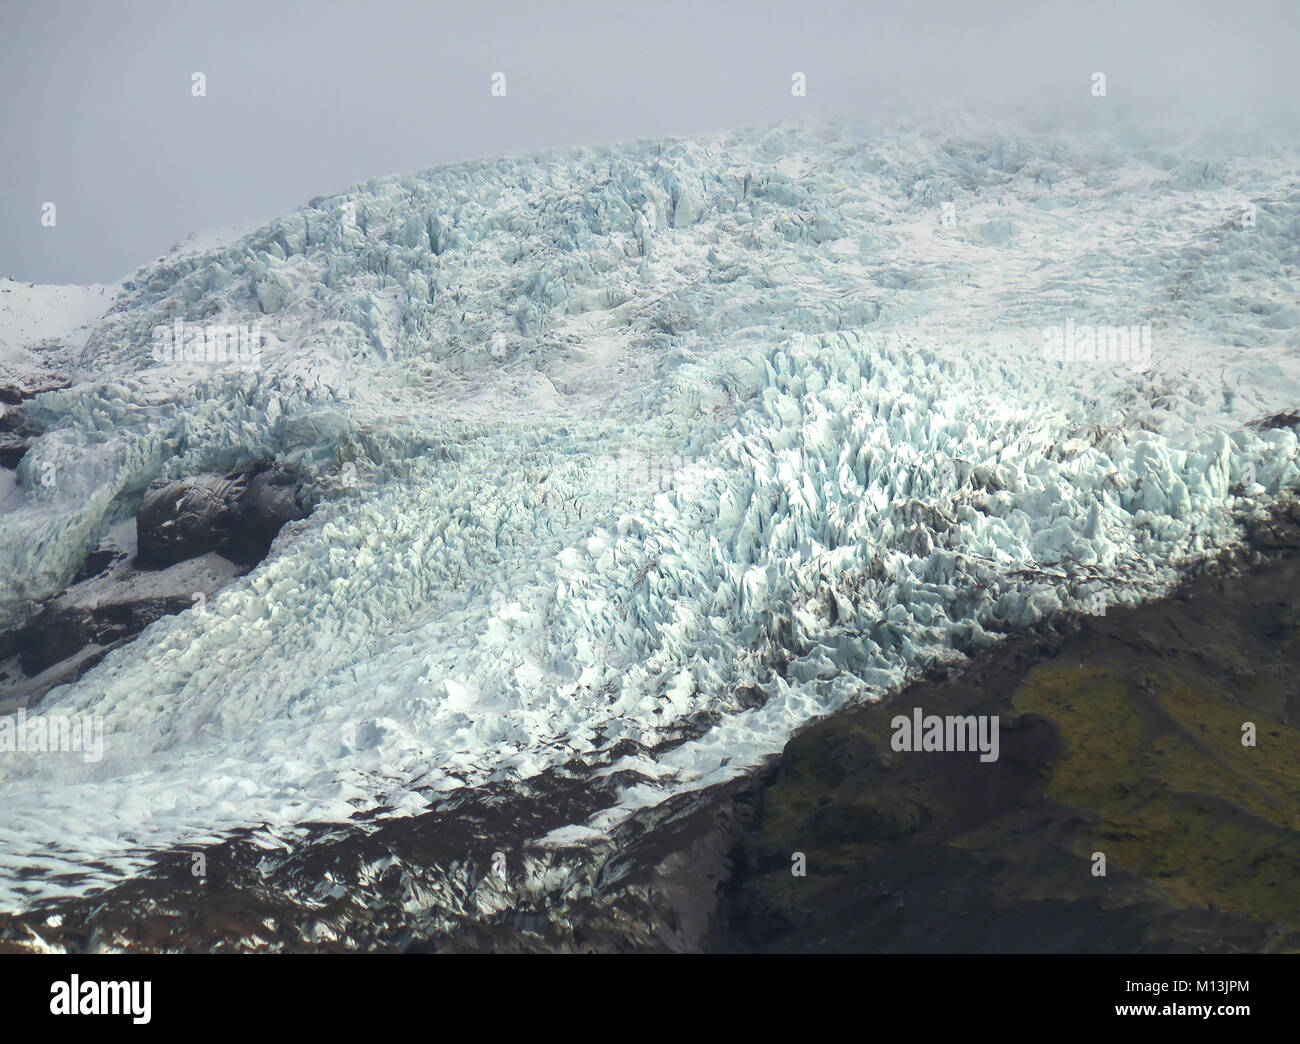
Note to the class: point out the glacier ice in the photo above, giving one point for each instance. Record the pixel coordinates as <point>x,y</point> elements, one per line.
<point>602,440</point>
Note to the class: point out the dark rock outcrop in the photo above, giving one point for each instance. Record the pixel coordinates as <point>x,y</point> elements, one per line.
<point>237,516</point>
<point>193,537</point>
<point>184,519</point>
<point>12,449</point>
<point>15,389</point>
<point>17,433</point>
<point>1121,734</point>
<point>1288,419</point>
<point>110,602</point>
<point>98,562</point>
<point>59,632</point>
<point>269,499</point>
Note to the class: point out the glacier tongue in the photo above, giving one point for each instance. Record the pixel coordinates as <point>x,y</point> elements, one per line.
<point>610,443</point>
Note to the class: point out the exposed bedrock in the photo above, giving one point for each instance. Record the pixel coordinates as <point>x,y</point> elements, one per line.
<point>17,430</point>
<point>13,390</point>
<point>17,433</point>
<point>59,632</point>
<point>237,516</point>
<point>111,602</point>
<point>193,536</point>
<point>1163,736</point>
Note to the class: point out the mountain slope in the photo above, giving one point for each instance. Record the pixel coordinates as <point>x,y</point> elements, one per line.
<point>640,458</point>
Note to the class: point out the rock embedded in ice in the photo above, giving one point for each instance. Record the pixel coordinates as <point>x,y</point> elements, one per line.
<point>180,520</point>
<point>236,515</point>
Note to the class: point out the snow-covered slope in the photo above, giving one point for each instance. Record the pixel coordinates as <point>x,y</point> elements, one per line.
<point>36,314</point>
<point>613,443</point>
<point>44,327</point>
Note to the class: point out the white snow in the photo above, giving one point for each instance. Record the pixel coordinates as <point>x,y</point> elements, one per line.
<point>31,313</point>
<point>608,438</point>
<point>213,238</point>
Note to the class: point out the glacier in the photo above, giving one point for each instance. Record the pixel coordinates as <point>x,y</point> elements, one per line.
<point>681,443</point>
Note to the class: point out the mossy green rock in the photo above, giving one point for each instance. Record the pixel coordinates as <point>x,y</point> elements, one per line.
<point>1121,736</point>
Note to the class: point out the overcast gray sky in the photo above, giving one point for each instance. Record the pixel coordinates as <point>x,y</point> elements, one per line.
<point>303,99</point>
